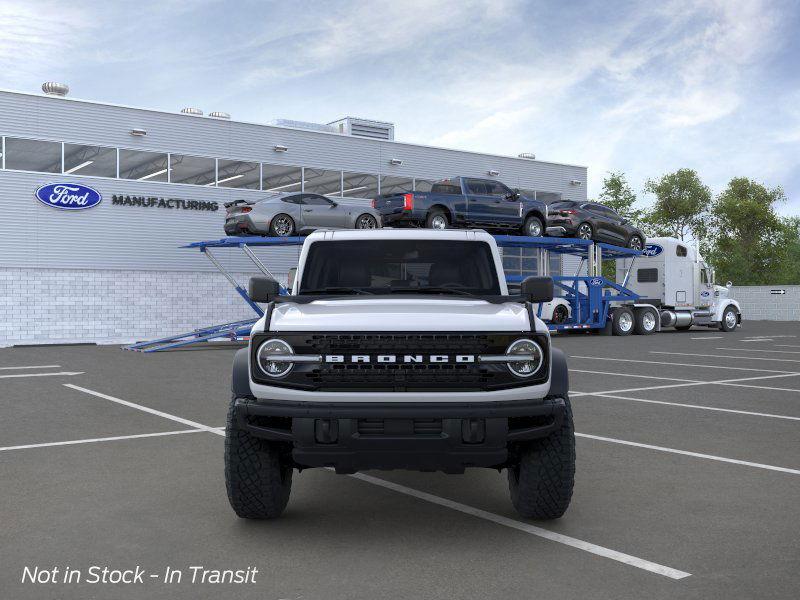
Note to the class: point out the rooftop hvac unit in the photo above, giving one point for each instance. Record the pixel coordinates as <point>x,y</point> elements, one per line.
<point>51,88</point>
<point>377,130</point>
<point>303,125</point>
<point>219,115</point>
<point>192,111</point>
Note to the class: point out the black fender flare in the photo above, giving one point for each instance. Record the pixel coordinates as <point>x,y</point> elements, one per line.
<point>559,374</point>
<point>240,382</point>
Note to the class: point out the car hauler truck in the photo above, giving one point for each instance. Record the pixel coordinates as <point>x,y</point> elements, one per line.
<point>671,276</point>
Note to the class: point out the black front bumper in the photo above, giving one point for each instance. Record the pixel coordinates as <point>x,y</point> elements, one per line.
<point>446,437</point>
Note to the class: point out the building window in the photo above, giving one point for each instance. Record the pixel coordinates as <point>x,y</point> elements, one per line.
<point>280,178</point>
<point>359,185</point>
<point>96,161</point>
<point>33,155</point>
<point>423,185</point>
<point>194,170</point>
<point>321,181</point>
<point>144,166</point>
<point>237,174</point>
<point>396,185</point>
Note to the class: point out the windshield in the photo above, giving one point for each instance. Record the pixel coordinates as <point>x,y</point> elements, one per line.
<point>398,266</point>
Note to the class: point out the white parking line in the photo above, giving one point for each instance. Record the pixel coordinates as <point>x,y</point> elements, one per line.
<point>672,364</point>
<point>787,346</point>
<point>759,350</point>
<point>64,373</point>
<point>634,375</point>
<point>733,382</point>
<point>708,337</point>
<point>627,559</point>
<point>31,367</point>
<point>147,409</point>
<point>687,453</point>
<point>103,439</point>
<point>698,406</point>
<point>793,360</point>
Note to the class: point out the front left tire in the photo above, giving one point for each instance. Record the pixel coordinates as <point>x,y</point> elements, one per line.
<point>257,478</point>
<point>730,320</point>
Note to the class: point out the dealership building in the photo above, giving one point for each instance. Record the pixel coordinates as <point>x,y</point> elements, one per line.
<point>116,271</point>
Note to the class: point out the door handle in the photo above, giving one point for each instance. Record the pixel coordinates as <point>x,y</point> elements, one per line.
<point>307,210</point>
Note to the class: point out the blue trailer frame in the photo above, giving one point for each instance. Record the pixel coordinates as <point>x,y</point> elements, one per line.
<point>590,296</point>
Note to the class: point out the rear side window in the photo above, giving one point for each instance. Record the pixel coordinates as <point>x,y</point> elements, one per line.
<point>681,250</point>
<point>476,186</point>
<point>647,275</point>
<point>446,186</point>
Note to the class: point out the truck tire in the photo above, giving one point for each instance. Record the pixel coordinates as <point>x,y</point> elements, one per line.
<point>533,227</point>
<point>645,321</point>
<point>541,482</point>
<point>729,319</point>
<point>622,322</point>
<point>257,481</point>
<point>437,219</point>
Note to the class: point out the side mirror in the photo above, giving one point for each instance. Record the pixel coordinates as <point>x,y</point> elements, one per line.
<point>291,277</point>
<point>263,289</point>
<point>334,204</point>
<point>537,289</point>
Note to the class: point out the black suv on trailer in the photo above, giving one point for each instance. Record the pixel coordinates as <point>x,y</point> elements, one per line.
<point>593,221</point>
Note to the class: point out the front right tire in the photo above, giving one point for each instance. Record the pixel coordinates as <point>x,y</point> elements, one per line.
<point>257,479</point>
<point>541,482</point>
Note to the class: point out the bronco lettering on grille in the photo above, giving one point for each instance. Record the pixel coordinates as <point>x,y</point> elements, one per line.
<point>399,358</point>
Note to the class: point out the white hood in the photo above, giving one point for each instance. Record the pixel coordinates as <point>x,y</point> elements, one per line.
<point>399,314</point>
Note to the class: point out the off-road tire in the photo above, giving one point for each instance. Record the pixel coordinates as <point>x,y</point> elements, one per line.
<point>433,214</point>
<point>723,325</point>
<point>640,326</point>
<point>257,481</point>
<point>530,223</point>
<point>619,324</point>
<point>541,483</point>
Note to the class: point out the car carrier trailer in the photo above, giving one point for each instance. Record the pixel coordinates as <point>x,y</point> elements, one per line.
<point>627,305</point>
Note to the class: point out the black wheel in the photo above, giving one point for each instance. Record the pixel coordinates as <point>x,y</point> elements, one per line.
<point>623,322</point>
<point>635,243</point>
<point>584,231</point>
<point>644,321</point>
<point>257,479</point>
<point>541,482</point>
<point>281,226</point>
<point>366,221</point>
<point>533,227</point>
<point>437,219</point>
<point>730,319</point>
<point>560,314</point>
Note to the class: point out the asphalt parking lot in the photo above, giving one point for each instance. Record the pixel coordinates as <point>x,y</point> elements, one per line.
<point>687,484</point>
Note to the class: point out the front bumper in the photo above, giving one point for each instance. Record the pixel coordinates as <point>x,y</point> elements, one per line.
<point>424,436</point>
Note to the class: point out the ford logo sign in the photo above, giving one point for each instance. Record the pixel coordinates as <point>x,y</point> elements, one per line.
<point>68,196</point>
<point>652,250</point>
<point>705,294</point>
<point>596,281</point>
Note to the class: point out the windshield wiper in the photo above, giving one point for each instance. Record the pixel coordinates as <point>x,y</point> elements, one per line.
<point>336,290</point>
<point>434,290</point>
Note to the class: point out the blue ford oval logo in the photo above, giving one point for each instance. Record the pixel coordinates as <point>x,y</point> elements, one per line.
<point>68,196</point>
<point>596,281</point>
<point>652,250</point>
<point>705,294</point>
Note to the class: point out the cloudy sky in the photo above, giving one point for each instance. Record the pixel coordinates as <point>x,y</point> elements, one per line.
<point>641,87</point>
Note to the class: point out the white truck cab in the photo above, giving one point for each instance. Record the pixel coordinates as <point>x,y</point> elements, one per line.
<point>672,276</point>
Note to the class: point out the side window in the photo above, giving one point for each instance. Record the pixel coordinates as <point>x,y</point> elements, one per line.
<point>704,276</point>
<point>647,275</point>
<point>444,187</point>
<point>315,200</point>
<point>476,186</point>
<point>495,188</point>
<point>291,200</point>
<point>681,250</point>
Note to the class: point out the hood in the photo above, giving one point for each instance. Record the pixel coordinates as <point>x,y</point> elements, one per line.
<point>400,314</point>
<point>720,291</point>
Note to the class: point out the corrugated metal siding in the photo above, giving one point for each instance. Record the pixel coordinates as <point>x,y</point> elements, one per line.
<point>117,237</point>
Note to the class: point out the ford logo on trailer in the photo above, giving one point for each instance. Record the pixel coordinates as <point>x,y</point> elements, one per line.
<point>652,250</point>
<point>68,196</point>
<point>596,281</point>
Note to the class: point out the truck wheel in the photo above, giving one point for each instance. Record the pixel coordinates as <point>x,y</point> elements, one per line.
<point>533,227</point>
<point>541,483</point>
<point>645,322</point>
<point>729,320</point>
<point>622,322</point>
<point>281,226</point>
<point>437,219</point>
<point>258,482</point>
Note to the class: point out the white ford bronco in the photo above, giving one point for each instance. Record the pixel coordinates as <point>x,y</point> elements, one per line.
<point>400,349</point>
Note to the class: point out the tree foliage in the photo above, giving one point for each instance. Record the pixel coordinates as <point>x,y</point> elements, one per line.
<point>618,195</point>
<point>681,205</point>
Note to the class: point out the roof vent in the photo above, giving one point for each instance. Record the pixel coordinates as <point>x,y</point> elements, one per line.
<point>219,115</point>
<point>377,130</point>
<point>51,88</point>
<point>527,155</point>
<point>192,111</point>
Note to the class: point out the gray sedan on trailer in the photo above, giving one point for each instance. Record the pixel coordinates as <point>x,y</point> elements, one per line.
<point>293,213</point>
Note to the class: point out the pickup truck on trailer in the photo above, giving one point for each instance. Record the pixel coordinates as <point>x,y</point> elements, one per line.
<point>465,202</point>
<point>400,349</point>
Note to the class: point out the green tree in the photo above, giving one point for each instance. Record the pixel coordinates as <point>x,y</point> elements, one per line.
<point>681,205</point>
<point>750,243</point>
<point>618,195</point>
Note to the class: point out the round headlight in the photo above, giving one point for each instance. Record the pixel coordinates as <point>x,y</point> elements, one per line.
<point>270,366</point>
<point>530,358</point>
